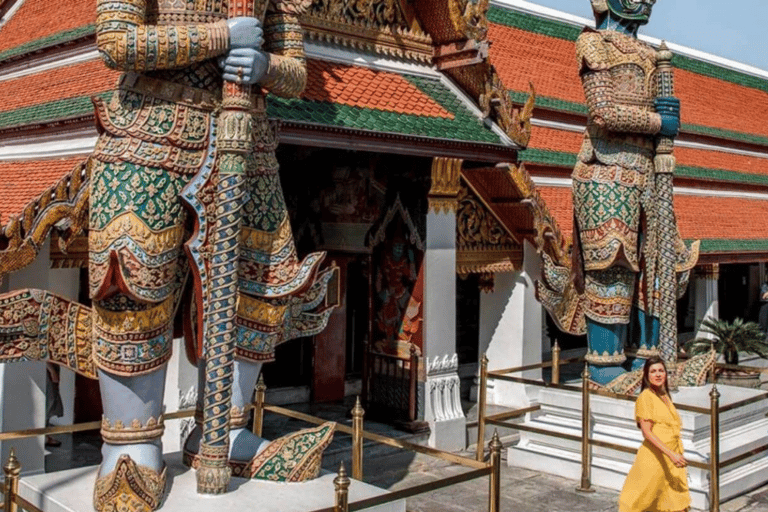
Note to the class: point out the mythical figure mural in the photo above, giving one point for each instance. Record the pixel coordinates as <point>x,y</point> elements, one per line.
<point>617,277</point>
<point>187,214</point>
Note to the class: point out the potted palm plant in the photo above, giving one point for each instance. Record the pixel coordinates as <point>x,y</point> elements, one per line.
<point>728,339</point>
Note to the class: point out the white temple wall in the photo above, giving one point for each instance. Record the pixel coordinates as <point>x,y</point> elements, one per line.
<point>511,329</point>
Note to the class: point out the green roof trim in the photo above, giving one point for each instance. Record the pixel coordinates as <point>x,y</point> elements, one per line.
<point>724,245</point>
<point>570,32</point>
<point>568,160</point>
<point>725,134</point>
<point>531,23</point>
<point>703,173</point>
<point>545,157</point>
<point>465,126</point>
<point>49,112</point>
<point>550,103</point>
<point>52,40</point>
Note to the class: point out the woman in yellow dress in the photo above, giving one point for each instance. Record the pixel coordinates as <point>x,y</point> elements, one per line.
<point>657,481</point>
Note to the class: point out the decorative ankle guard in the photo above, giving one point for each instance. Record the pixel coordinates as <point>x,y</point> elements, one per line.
<point>136,432</point>
<point>295,457</point>
<point>129,488</point>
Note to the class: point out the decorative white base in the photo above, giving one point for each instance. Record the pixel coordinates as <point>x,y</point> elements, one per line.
<point>72,491</point>
<point>741,430</point>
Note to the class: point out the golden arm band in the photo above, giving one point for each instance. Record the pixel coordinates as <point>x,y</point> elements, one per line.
<point>136,432</point>
<point>126,42</point>
<point>286,75</point>
<point>606,113</point>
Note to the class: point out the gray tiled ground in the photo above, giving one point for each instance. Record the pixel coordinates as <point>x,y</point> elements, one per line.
<point>521,490</point>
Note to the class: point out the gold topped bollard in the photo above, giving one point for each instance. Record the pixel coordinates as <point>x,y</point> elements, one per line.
<point>494,491</point>
<point>258,410</point>
<point>714,450</point>
<point>481,398</point>
<point>357,440</point>
<point>586,451</point>
<point>341,484</point>
<point>11,469</point>
<point>556,363</point>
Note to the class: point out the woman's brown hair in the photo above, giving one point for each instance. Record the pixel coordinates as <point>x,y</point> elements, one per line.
<point>647,368</point>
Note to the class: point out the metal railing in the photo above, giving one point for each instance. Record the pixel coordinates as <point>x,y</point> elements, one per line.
<point>479,468</point>
<point>714,466</point>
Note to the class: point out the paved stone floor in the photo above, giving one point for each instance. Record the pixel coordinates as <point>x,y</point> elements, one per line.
<point>521,490</point>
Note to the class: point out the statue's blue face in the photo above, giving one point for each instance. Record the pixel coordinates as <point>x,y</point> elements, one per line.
<point>638,11</point>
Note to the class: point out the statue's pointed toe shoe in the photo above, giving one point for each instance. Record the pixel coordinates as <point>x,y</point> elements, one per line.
<point>129,488</point>
<point>295,457</point>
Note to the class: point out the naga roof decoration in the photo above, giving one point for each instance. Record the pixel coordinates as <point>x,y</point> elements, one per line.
<point>509,193</point>
<point>62,207</point>
<point>459,29</point>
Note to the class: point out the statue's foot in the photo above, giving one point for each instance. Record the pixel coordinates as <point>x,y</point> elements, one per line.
<point>129,487</point>
<point>244,445</point>
<point>604,374</point>
<point>295,457</point>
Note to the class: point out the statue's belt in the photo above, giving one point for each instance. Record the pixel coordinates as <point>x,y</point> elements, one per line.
<point>179,93</point>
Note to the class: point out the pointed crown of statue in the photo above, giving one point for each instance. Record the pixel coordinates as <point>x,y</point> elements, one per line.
<point>635,10</point>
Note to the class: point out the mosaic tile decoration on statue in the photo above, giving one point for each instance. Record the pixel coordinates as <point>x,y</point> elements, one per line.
<point>696,370</point>
<point>295,457</point>
<point>626,384</point>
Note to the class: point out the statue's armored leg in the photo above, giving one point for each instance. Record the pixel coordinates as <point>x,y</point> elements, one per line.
<point>132,473</point>
<point>609,293</point>
<point>131,348</point>
<point>243,444</point>
<point>648,345</point>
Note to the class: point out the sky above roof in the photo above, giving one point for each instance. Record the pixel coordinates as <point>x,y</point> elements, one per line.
<point>734,30</point>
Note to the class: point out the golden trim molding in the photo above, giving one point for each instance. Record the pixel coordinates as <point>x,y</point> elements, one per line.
<point>446,183</point>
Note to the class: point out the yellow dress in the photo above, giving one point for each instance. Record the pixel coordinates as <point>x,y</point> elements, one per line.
<point>654,483</point>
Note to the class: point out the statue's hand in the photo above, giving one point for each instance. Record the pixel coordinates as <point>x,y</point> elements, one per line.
<point>669,109</point>
<point>245,33</point>
<point>244,65</point>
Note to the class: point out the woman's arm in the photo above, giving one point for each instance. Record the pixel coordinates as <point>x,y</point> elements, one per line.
<point>646,427</point>
<point>128,43</point>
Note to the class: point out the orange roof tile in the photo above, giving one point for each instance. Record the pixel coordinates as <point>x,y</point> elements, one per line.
<point>22,182</point>
<point>357,86</point>
<point>37,19</point>
<point>559,201</point>
<point>711,159</point>
<point>716,103</point>
<point>551,139</point>
<point>81,79</point>
<point>550,63</point>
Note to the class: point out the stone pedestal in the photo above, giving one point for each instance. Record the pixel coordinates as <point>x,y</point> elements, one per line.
<point>741,430</point>
<point>72,491</point>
